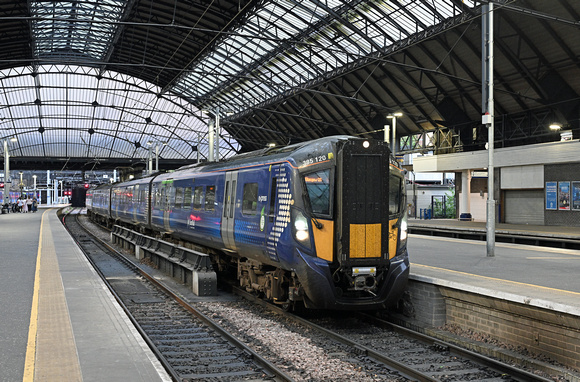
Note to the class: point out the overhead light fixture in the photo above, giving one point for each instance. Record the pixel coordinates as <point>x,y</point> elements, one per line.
<point>13,139</point>
<point>395,115</point>
<point>555,126</point>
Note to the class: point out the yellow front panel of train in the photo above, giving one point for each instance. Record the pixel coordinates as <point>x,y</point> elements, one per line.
<point>365,240</point>
<point>324,240</point>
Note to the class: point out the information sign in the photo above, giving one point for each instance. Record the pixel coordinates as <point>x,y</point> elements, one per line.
<point>551,195</point>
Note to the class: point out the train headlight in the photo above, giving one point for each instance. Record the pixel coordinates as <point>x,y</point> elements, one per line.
<point>403,233</point>
<point>300,226</point>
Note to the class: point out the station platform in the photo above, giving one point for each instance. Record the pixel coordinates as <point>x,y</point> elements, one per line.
<point>542,276</point>
<point>517,233</point>
<point>58,320</point>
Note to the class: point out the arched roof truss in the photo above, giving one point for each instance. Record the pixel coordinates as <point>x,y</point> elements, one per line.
<point>120,73</point>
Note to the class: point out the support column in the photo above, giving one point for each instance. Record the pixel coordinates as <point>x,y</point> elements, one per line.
<point>487,119</point>
<point>211,148</point>
<point>7,181</point>
<point>464,203</point>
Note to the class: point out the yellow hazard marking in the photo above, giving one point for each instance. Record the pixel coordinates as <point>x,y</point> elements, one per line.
<point>495,279</point>
<point>32,329</point>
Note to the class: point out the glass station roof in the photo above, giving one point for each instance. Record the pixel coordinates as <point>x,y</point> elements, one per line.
<point>73,111</point>
<point>69,102</point>
<point>285,44</point>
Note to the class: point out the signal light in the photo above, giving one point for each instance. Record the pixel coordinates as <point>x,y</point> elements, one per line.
<point>87,186</point>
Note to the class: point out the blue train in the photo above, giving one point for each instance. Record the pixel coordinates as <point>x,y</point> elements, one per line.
<point>321,223</point>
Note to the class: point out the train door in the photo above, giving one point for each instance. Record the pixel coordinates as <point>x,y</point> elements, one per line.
<point>135,200</point>
<point>228,213</point>
<point>272,215</point>
<point>167,200</point>
<point>364,212</point>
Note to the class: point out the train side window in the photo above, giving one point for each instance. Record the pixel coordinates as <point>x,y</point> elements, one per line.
<point>210,198</point>
<point>226,199</point>
<point>170,198</point>
<point>395,195</point>
<point>157,196</point>
<point>273,191</point>
<point>250,199</point>
<point>178,197</point>
<point>187,198</point>
<point>197,195</point>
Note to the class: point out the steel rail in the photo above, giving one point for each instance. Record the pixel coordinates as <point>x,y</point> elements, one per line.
<point>357,348</point>
<point>480,359</point>
<point>516,373</point>
<point>274,372</point>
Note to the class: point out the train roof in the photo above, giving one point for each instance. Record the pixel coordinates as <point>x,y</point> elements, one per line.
<point>296,152</point>
<point>300,155</point>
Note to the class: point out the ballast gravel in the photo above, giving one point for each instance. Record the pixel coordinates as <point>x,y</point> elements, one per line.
<point>306,355</point>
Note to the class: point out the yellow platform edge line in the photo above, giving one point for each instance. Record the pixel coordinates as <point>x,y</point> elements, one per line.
<point>32,328</point>
<point>496,279</point>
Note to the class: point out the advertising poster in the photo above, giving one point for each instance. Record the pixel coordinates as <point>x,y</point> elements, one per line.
<point>576,195</point>
<point>563,195</point>
<point>551,195</point>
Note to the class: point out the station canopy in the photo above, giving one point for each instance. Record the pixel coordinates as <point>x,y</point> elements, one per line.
<point>105,83</point>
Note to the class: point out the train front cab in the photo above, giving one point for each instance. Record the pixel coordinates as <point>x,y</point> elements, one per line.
<point>361,235</point>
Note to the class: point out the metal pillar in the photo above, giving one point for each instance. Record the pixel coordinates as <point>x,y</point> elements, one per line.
<point>211,140</point>
<point>48,190</point>
<point>157,157</point>
<point>150,161</point>
<point>217,136</point>
<point>7,181</point>
<point>488,118</point>
<point>394,132</point>
<point>465,205</point>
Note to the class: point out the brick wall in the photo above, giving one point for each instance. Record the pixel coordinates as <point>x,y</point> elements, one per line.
<point>541,331</point>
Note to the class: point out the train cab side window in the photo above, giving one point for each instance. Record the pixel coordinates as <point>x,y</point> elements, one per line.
<point>178,197</point>
<point>210,198</point>
<point>197,196</point>
<point>318,186</point>
<point>395,195</point>
<point>187,198</point>
<point>250,199</point>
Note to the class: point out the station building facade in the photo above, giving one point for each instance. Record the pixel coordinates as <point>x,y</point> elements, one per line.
<point>534,184</point>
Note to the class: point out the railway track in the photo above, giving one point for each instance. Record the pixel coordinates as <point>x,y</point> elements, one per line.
<point>319,347</point>
<point>191,346</point>
<point>417,356</point>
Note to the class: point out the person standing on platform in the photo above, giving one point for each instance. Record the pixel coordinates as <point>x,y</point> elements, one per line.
<point>28,204</point>
<point>20,204</point>
<point>24,205</point>
<point>34,204</point>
